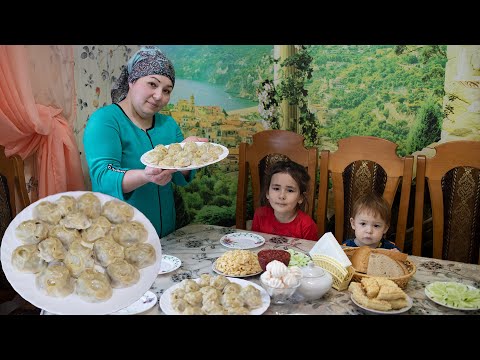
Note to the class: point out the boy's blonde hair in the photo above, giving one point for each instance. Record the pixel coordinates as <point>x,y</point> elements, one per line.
<point>374,204</point>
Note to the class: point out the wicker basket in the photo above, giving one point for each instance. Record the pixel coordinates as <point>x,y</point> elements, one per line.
<point>401,281</point>
<point>341,277</point>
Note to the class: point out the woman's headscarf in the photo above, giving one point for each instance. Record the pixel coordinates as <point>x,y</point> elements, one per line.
<point>149,60</point>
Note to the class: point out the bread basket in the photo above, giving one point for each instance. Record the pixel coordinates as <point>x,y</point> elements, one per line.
<point>401,281</point>
<point>341,276</point>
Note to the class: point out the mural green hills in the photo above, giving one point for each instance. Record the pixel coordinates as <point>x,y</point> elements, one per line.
<point>381,93</point>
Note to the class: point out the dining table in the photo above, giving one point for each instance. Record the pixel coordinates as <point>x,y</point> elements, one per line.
<point>198,246</point>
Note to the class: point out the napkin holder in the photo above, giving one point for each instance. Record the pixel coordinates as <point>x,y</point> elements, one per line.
<point>341,276</point>
<point>328,254</point>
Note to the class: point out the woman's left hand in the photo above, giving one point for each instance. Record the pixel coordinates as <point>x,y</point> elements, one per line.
<point>195,139</point>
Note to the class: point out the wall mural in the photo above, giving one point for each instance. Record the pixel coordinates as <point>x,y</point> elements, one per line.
<point>393,92</point>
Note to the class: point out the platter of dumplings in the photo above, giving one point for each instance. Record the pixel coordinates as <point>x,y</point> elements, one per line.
<point>184,156</point>
<point>81,252</point>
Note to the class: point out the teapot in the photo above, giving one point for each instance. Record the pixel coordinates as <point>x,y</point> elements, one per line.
<point>315,282</point>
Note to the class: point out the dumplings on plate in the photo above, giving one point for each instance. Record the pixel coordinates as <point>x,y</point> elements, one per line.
<point>130,233</point>
<point>55,280</point>
<point>51,249</point>
<point>93,286</point>
<point>32,231</point>
<point>141,255</point>
<point>117,211</point>
<point>90,205</point>
<point>48,211</point>
<point>106,250</point>
<point>26,258</point>
<point>122,274</point>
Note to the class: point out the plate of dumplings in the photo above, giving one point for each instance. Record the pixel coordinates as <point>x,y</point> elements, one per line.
<point>81,252</point>
<point>184,156</point>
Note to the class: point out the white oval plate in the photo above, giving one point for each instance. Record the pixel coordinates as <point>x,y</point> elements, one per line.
<point>166,306</point>
<point>222,156</point>
<point>389,312</point>
<point>242,240</point>
<point>430,296</point>
<point>24,283</point>
<point>169,263</point>
<point>214,268</point>
<point>146,302</point>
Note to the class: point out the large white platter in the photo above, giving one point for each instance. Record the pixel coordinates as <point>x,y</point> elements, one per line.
<point>24,283</point>
<point>166,306</point>
<point>222,156</point>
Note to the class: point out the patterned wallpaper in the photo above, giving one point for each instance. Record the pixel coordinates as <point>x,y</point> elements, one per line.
<point>96,68</point>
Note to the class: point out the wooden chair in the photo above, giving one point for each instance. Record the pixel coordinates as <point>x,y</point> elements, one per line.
<point>362,164</point>
<point>13,192</point>
<point>267,147</point>
<point>453,180</point>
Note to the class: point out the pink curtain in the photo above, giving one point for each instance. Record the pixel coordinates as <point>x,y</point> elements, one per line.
<point>37,110</point>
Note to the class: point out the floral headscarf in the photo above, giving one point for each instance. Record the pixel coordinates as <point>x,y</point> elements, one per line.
<point>149,60</point>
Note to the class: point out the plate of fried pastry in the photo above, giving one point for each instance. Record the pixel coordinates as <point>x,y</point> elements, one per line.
<point>380,296</point>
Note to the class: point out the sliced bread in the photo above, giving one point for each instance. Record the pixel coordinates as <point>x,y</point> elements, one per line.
<point>383,265</point>
<point>360,258</point>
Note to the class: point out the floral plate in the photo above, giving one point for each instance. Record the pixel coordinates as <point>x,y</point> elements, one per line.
<point>169,264</point>
<point>242,240</point>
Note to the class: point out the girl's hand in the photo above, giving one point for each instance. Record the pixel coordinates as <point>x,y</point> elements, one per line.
<point>158,176</point>
<point>195,138</point>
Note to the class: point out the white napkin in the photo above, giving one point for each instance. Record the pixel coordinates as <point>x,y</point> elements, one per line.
<point>328,245</point>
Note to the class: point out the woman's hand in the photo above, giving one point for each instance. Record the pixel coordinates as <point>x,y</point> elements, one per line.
<point>158,176</point>
<point>195,138</point>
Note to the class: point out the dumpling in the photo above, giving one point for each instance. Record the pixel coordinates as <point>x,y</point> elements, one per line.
<point>219,282</point>
<point>106,250</point>
<point>122,274</point>
<point>76,220</point>
<point>117,211</point>
<point>194,298</point>
<point>237,310</point>
<point>48,211</point>
<point>55,280</point>
<point>93,286</point>
<point>100,228</point>
<point>66,236</point>
<point>204,280</point>
<point>252,296</point>
<point>232,300</point>
<point>189,285</point>
<point>190,147</point>
<point>141,255</point>
<point>174,148</point>
<point>179,305</point>
<point>130,233</point>
<point>90,205</point>
<point>161,149</point>
<point>31,231</point>
<point>78,258</point>
<point>154,157</point>
<point>193,310</point>
<point>233,288</point>
<point>211,307</point>
<point>51,249</point>
<point>66,204</point>
<point>178,293</point>
<point>26,258</point>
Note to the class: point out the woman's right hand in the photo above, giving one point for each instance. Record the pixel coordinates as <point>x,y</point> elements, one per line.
<point>158,176</point>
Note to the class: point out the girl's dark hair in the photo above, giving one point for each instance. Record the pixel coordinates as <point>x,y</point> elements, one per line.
<point>295,170</point>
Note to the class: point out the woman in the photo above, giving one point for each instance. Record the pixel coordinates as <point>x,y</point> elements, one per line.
<point>117,135</point>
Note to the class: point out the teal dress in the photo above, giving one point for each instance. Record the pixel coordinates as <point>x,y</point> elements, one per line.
<point>113,145</point>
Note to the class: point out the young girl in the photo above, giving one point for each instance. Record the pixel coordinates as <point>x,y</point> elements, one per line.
<point>284,199</point>
<point>370,220</point>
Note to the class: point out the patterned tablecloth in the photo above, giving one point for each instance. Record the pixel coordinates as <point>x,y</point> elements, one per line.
<point>198,246</point>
